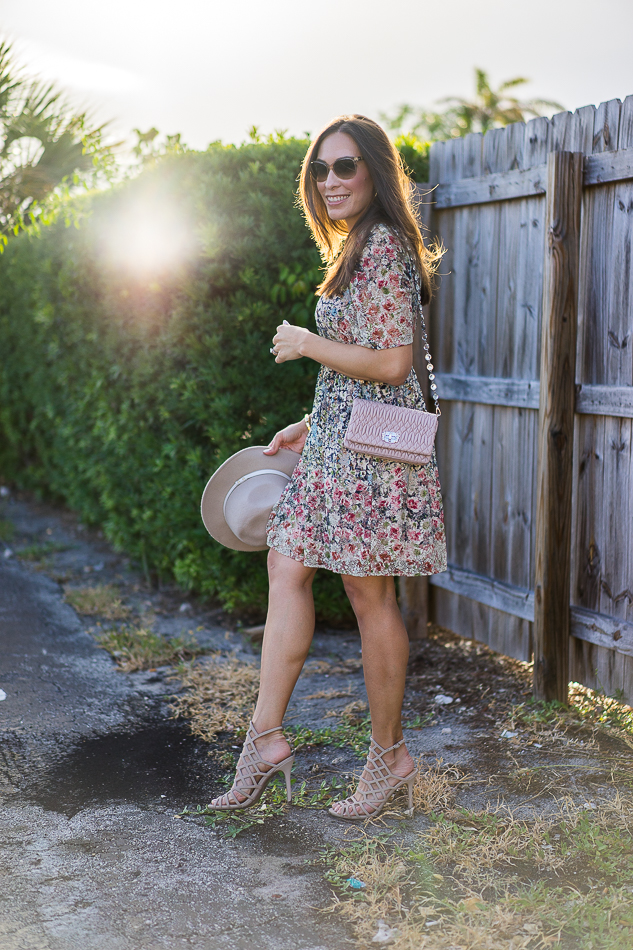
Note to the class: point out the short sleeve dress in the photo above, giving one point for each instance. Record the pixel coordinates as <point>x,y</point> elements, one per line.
<point>344,511</point>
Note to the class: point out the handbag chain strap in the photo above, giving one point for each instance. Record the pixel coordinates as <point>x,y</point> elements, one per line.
<point>417,302</point>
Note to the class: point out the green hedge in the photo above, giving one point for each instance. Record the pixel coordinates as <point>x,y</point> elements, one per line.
<point>121,391</point>
<point>123,388</point>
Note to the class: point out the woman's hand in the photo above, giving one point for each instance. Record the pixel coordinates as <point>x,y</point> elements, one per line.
<point>292,437</point>
<point>287,342</point>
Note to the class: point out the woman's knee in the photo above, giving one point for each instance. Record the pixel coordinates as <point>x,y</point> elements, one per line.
<point>286,572</point>
<point>368,594</point>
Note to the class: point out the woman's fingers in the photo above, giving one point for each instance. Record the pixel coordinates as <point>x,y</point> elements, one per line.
<point>274,446</point>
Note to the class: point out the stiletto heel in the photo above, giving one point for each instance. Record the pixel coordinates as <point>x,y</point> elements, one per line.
<point>250,778</point>
<point>379,789</point>
<point>410,783</point>
<point>286,770</point>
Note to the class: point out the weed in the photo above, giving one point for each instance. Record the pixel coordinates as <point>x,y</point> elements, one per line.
<point>419,722</point>
<point>354,734</point>
<point>7,530</point>
<point>219,696</point>
<point>137,648</point>
<point>586,708</point>
<point>233,823</point>
<point>435,787</point>
<point>103,600</point>
<point>351,713</point>
<point>272,804</point>
<point>38,552</point>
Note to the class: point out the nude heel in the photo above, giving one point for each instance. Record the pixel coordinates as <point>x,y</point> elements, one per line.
<point>370,803</point>
<point>250,777</point>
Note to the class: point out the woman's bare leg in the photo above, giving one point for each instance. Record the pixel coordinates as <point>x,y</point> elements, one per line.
<point>385,655</point>
<point>287,638</point>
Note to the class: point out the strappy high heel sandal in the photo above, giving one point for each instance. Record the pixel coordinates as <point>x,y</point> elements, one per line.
<point>250,778</point>
<point>376,775</point>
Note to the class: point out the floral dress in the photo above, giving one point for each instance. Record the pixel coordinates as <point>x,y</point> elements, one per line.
<point>344,511</point>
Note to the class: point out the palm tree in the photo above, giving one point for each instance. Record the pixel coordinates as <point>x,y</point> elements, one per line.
<point>490,109</point>
<point>44,144</point>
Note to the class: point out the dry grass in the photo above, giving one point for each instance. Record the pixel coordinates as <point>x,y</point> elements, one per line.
<point>385,876</point>
<point>577,724</point>
<point>219,696</point>
<point>329,694</point>
<point>352,713</point>
<point>104,600</point>
<point>141,649</point>
<point>338,668</point>
<point>483,903</point>
<point>484,842</point>
<point>435,787</point>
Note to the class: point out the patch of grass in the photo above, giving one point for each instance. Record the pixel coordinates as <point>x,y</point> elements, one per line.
<point>564,880</point>
<point>354,734</point>
<point>104,600</point>
<point>272,804</point>
<point>138,648</point>
<point>587,709</point>
<point>38,552</point>
<point>7,530</point>
<point>219,696</point>
<point>419,722</point>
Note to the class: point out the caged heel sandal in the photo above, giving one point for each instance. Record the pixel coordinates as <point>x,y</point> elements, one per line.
<point>376,775</point>
<point>253,775</point>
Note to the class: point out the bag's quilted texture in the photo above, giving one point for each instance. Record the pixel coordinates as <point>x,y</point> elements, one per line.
<point>391,432</point>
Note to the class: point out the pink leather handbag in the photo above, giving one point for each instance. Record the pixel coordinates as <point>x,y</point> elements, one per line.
<point>391,432</point>
<point>395,432</point>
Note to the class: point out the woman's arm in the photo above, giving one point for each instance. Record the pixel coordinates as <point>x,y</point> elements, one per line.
<point>391,366</point>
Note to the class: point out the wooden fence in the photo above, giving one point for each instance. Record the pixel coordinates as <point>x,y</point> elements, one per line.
<point>532,338</point>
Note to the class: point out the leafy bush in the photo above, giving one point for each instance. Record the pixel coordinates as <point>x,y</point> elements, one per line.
<point>124,384</point>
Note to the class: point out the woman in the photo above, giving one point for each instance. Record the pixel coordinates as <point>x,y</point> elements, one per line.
<point>365,518</point>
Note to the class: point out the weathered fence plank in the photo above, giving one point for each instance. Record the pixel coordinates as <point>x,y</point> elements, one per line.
<point>556,427</point>
<point>500,187</point>
<point>525,394</point>
<point>493,391</point>
<point>509,598</point>
<point>611,166</point>
<point>604,400</point>
<point>599,629</point>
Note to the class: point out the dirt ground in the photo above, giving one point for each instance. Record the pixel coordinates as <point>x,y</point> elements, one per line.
<point>94,768</point>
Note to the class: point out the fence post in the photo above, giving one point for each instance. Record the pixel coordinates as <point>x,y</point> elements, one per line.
<point>556,426</point>
<point>413,596</point>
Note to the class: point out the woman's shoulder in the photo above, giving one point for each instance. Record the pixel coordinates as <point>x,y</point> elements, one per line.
<point>383,252</point>
<point>383,246</point>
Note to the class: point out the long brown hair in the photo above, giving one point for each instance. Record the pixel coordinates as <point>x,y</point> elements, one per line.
<point>392,204</point>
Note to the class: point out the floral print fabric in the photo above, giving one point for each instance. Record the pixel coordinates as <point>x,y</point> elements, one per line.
<point>348,512</point>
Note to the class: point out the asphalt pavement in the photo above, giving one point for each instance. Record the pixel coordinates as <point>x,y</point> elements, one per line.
<point>92,771</point>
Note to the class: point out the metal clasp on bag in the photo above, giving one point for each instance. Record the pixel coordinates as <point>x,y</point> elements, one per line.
<point>390,437</point>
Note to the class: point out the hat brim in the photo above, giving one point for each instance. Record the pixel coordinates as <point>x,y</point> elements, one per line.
<point>242,463</point>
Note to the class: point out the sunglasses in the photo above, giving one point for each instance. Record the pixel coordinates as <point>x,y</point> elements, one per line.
<point>343,168</point>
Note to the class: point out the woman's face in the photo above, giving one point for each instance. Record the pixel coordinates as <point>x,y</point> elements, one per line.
<point>345,200</point>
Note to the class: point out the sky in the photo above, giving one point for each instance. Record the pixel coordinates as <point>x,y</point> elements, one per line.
<point>211,69</point>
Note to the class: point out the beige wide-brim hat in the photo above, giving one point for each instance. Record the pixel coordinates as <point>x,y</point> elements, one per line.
<point>239,497</point>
